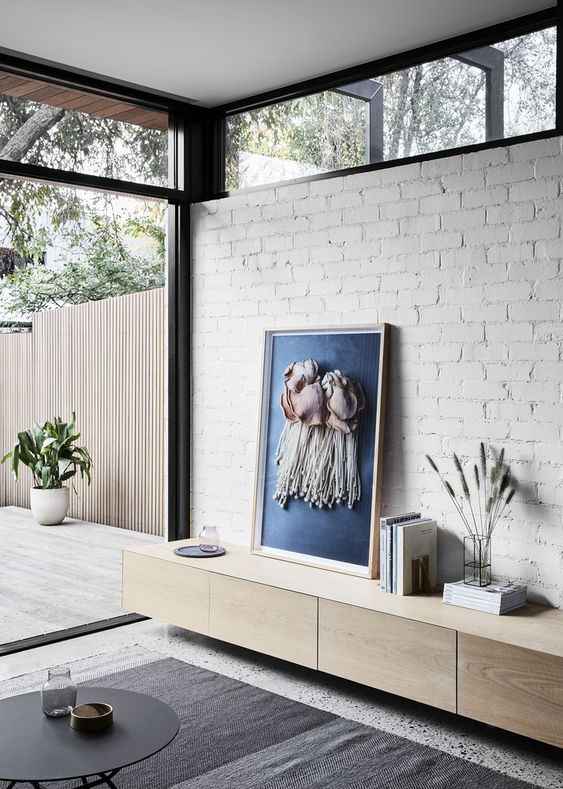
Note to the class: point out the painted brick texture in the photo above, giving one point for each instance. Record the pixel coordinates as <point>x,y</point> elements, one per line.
<point>462,257</point>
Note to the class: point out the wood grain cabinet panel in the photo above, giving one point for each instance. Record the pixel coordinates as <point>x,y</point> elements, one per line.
<point>168,591</point>
<point>274,621</point>
<point>514,688</point>
<point>412,659</point>
<point>505,671</point>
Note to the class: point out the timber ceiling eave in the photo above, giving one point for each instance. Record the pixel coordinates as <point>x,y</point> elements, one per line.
<point>80,101</point>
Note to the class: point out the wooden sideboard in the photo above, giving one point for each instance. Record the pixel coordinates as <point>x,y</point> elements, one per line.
<point>506,671</point>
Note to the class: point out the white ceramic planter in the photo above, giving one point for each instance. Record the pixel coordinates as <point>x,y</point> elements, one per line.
<point>49,507</point>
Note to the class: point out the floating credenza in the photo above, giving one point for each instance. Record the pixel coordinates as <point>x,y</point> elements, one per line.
<point>506,671</point>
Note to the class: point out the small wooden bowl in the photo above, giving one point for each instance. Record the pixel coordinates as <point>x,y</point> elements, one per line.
<point>91,717</point>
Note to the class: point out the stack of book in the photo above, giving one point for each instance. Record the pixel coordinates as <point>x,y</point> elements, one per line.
<point>404,539</point>
<point>493,599</point>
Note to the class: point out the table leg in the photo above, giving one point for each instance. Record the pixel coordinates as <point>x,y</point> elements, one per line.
<point>102,779</point>
<point>33,783</point>
<point>108,780</point>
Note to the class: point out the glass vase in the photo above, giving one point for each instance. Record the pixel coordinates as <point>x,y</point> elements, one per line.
<point>209,541</point>
<point>58,694</point>
<point>477,560</point>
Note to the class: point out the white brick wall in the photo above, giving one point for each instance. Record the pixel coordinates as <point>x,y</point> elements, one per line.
<point>462,256</point>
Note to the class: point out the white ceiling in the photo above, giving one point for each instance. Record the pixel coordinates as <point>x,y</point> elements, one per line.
<point>215,51</point>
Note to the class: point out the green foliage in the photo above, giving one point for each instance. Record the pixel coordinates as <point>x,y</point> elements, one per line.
<point>326,130</point>
<point>99,265</point>
<point>85,143</point>
<point>34,217</point>
<point>530,81</point>
<point>50,451</point>
<point>23,208</point>
<point>149,225</point>
<point>431,106</point>
<point>492,501</point>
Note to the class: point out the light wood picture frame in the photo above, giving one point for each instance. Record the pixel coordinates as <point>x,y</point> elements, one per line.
<point>319,450</point>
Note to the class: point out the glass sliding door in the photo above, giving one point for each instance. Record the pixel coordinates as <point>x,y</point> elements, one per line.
<point>83,255</point>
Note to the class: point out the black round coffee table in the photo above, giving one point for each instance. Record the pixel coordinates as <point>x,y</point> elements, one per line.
<point>35,749</point>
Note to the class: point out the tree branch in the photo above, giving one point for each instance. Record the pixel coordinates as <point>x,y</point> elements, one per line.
<point>31,131</point>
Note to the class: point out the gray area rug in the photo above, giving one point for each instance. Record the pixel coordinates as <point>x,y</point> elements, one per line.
<point>237,736</point>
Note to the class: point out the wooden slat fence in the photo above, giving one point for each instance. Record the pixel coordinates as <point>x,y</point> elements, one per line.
<point>16,410</point>
<point>104,360</point>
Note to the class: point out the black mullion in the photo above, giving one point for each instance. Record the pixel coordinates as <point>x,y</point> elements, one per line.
<point>197,145</point>
<point>219,154</point>
<point>398,62</point>
<point>178,299</point>
<point>183,373</point>
<point>204,162</point>
<point>178,333</point>
<point>175,149</point>
<point>559,72</point>
<point>171,502</point>
<point>35,172</point>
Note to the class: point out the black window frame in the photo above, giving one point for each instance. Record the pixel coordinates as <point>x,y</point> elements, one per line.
<point>450,47</point>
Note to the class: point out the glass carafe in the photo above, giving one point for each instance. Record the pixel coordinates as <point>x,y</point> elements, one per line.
<point>209,541</point>
<point>58,694</point>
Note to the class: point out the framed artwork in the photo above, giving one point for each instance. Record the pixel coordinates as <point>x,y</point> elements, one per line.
<point>318,474</point>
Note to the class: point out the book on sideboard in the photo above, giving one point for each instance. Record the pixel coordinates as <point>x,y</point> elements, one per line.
<point>415,540</point>
<point>386,546</point>
<point>405,538</point>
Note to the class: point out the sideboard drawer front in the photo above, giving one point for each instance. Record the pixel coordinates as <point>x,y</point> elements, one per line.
<point>166,590</point>
<point>412,659</point>
<point>514,688</point>
<point>274,621</point>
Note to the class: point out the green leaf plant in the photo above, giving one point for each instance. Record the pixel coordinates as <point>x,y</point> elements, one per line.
<point>50,451</point>
<point>494,490</point>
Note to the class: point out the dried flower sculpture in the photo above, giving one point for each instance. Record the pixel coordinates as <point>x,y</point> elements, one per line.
<point>302,399</point>
<point>317,452</point>
<point>494,487</point>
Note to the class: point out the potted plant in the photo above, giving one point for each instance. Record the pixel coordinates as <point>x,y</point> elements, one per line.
<point>50,451</point>
<point>494,489</point>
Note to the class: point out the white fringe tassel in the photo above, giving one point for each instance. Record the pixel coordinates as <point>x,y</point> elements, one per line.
<point>317,464</point>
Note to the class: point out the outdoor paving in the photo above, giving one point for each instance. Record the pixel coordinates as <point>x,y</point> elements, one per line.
<point>55,577</point>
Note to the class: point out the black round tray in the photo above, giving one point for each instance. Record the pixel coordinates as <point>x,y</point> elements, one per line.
<point>195,552</point>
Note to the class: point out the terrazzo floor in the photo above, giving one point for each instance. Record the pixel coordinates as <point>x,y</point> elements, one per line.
<point>98,654</point>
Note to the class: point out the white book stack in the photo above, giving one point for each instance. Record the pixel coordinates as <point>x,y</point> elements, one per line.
<point>403,539</point>
<point>497,598</point>
<point>386,553</point>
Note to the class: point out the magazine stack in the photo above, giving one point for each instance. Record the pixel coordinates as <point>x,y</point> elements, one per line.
<point>497,598</point>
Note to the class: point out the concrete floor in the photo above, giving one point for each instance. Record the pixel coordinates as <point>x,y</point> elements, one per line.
<point>144,642</point>
<point>56,577</point>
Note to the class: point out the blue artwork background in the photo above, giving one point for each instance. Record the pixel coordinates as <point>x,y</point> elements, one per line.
<point>339,533</point>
